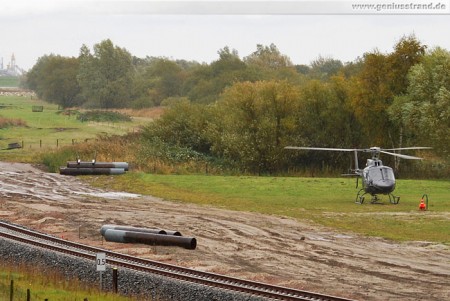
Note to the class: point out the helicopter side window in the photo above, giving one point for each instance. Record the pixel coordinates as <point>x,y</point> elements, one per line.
<point>387,174</point>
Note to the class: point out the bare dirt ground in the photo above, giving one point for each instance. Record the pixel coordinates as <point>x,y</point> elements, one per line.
<point>264,248</point>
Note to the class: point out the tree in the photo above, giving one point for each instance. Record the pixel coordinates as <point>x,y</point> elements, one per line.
<point>106,76</point>
<point>53,78</point>
<point>425,109</point>
<point>381,79</point>
<point>207,82</point>
<point>323,68</point>
<point>161,78</point>
<point>371,96</point>
<point>407,53</point>
<point>268,57</point>
<point>183,125</point>
<point>268,63</point>
<point>256,122</point>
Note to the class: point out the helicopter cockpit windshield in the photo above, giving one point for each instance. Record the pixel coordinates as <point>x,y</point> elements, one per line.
<point>381,174</point>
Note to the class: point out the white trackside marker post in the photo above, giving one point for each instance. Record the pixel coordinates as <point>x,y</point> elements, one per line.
<point>101,266</point>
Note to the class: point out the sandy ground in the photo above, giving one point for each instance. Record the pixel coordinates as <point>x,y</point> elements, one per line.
<point>264,248</point>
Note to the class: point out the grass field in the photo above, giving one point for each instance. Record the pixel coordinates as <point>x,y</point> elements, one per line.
<point>49,129</point>
<point>51,286</point>
<point>326,201</point>
<point>9,81</point>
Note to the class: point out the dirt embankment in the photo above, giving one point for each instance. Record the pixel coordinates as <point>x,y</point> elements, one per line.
<point>265,248</point>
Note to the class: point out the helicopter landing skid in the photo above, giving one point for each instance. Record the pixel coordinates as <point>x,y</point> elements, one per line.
<point>394,199</point>
<point>360,197</point>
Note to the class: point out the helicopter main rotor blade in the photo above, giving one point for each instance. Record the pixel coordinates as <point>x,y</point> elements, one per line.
<point>405,148</point>
<point>322,148</point>
<point>401,155</point>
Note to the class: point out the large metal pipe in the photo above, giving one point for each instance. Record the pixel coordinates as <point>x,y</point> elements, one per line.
<point>90,171</point>
<point>150,239</point>
<point>175,233</point>
<point>129,228</point>
<point>87,164</point>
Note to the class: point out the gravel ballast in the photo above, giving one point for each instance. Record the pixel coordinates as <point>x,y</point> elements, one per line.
<point>146,286</point>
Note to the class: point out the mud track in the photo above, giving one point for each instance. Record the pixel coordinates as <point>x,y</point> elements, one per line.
<point>265,248</point>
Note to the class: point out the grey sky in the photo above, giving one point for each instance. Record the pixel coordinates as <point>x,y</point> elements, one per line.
<point>31,29</point>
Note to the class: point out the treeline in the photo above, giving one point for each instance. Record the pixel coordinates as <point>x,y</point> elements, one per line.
<point>241,112</point>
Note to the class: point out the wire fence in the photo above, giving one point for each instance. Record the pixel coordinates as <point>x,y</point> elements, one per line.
<point>10,144</point>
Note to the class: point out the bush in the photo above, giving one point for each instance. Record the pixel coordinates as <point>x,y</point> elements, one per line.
<point>103,116</point>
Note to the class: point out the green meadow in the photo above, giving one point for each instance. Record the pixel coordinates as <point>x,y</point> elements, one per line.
<point>325,201</point>
<point>50,129</point>
<point>9,81</point>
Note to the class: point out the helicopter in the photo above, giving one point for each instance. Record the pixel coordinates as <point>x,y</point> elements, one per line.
<point>377,179</point>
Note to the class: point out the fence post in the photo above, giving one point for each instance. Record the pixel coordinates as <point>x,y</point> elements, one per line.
<point>57,143</point>
<point>11,292</point>
<point>28,294</point>
<point>40,143</point>
<point>115,279</point>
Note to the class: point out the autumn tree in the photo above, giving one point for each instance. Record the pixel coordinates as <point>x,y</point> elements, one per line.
<point>381,79</point>
<point>256,122</point>
<point>407,52</point>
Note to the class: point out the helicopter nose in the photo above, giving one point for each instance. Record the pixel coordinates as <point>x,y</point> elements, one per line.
<point>385,186</point>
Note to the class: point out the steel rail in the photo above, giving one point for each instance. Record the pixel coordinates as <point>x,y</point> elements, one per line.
<point>166,270</point>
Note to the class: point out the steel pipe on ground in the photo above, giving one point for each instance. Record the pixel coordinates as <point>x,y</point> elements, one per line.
<point>129,228</point>
<point>175,233</point>
<point>90,171</point>
<point>150,239</point>
<point>87,164</point>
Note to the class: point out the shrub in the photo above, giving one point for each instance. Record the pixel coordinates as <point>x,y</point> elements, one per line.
<point>103,116</point>
<point>8,122</point>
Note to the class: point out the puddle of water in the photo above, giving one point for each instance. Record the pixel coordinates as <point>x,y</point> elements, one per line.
<point>111,195</point>
<point>343,236</point>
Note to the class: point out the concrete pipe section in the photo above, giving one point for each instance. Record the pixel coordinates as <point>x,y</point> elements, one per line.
<point>87,164</point>
<point>150,239</point>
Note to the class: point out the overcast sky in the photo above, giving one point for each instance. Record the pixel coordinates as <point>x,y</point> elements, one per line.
<point>31,29</point>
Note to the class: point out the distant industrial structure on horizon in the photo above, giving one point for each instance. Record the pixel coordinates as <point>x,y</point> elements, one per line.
<point>11,68</point>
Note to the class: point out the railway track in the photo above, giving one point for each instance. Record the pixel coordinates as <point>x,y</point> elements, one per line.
<point>55,244</point>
